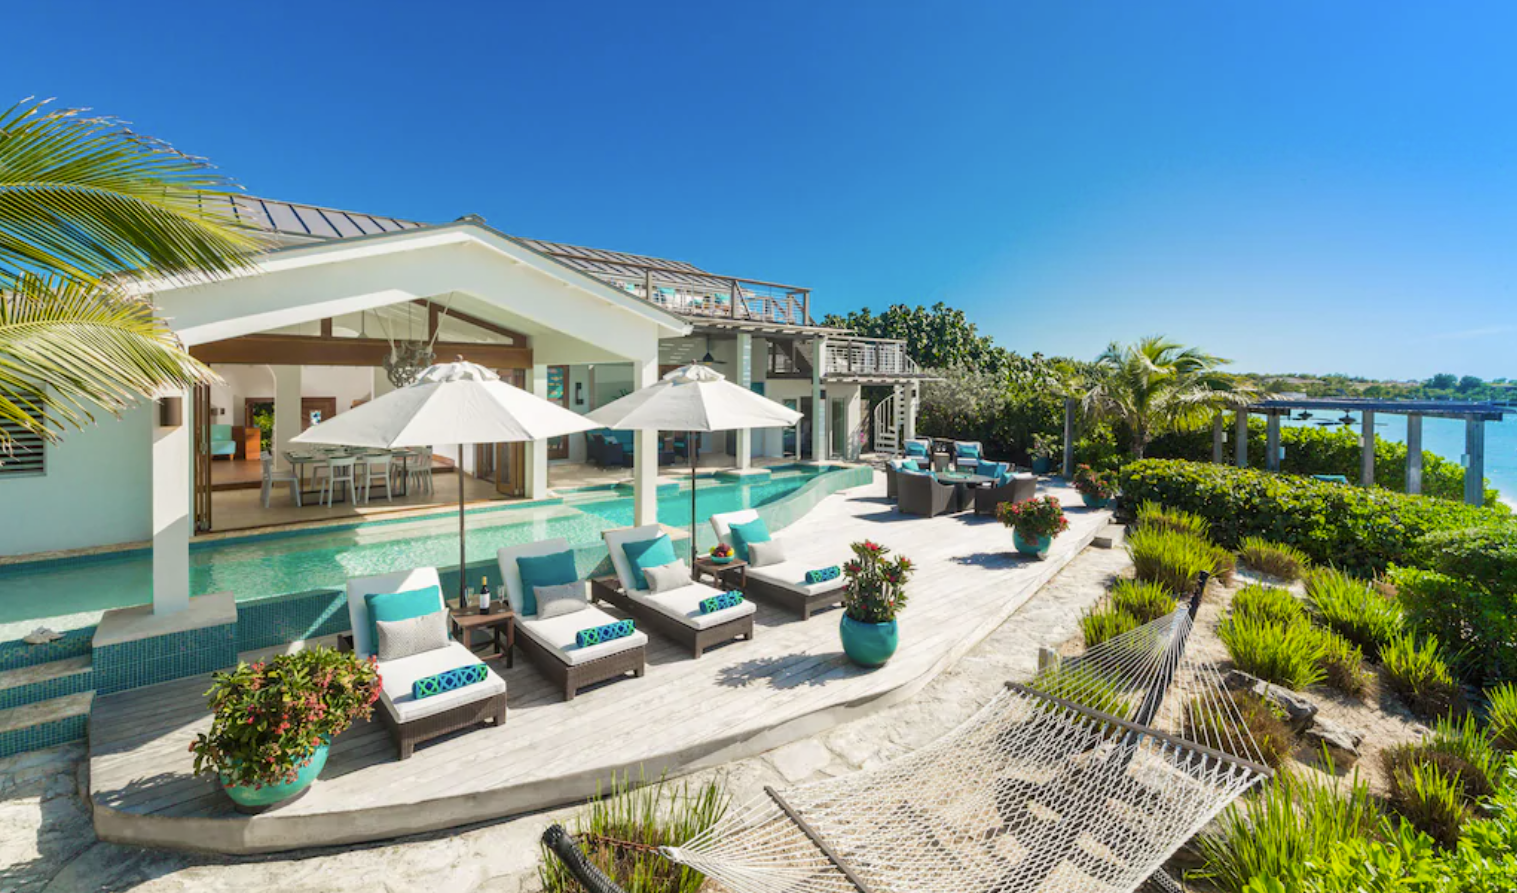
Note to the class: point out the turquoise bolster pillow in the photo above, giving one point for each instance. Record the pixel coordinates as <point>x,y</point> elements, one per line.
<point>392,606</point>
<point>916,449</point>
<point>596,635</point>
<point>554,569</point>
<point>448,680</point>
<point>644,554</point>
<point>755,531</point>
<point>823,575</point>
<point>721,602</point>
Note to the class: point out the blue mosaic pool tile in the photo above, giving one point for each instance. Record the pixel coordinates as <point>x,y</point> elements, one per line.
<point>47,689</point>
<point>266,622</point>
<point>162,658</point>
<point>47,734</point>
<point>17,654</point>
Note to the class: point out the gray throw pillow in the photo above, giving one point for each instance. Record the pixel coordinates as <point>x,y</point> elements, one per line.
<point>565,598</point>
<point>669,576</point>
<point>403,638</point>
<point>765,554</point>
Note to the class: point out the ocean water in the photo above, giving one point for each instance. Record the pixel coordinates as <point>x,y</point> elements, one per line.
<point>1445,437</point>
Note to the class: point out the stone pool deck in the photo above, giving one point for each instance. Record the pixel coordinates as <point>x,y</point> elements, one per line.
<point>744,699</point>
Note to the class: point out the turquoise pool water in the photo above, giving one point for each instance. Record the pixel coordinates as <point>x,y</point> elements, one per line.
<point>277,564</point>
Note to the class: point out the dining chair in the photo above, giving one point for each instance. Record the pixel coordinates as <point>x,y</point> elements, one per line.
<point>421,470</point>
<point>339,471</point>
<point>272,477</point>
<point>376,467</point>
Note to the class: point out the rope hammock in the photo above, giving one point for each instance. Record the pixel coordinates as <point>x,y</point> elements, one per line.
<point>1086,778</point>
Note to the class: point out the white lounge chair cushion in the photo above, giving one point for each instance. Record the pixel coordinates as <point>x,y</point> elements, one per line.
<point>792,575</point>
<point>568,598</point>
<point>399,674</point>
<point>684,604</point>
<point>557,635</point>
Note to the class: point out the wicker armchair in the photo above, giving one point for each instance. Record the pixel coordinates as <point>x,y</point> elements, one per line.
<point>925,495</point>
<point>1020,488</point>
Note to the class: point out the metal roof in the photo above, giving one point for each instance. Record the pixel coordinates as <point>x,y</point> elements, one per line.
<point>1442,408</point>
<point>312,221</point>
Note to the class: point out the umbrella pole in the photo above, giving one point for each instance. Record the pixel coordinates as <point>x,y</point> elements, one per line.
<point>458,471</point>
<point>690,444</point>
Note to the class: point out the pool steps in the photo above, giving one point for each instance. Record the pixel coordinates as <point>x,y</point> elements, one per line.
<point>45,703</point>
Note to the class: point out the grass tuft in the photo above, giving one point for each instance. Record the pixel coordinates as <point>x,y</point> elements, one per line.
<point>1354,610</point>
<point>1269,604</point>
<point>1276,559</point>
<point>1429,793</point>
<point>1172,560</point>
<point>1502,716</point>
<point>1418,673</point>
<point>1153,516</point>
<point>1342,664</point>
<point>1100,624</point>
<point>1208,723</point>
<point>1287,654</point>
<point>1145,601</point>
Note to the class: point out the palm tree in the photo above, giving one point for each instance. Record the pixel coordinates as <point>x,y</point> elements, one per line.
<point>85,205</point>
<point>1156,384</point>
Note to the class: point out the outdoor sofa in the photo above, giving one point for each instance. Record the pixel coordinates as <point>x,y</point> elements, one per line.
<point>893,470</point>
<point>412,720</point>
<point>551,643</point>
<point>921,493</point>
<point>1015,487</point>
<point>783,584</point>
<point>674,612</point>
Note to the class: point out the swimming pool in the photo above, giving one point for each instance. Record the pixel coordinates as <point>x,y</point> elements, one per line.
<point>276,564</point>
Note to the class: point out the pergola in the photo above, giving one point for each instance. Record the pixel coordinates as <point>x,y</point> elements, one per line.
<point>1475,415</point>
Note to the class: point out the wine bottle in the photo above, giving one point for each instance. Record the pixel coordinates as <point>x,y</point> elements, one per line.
<point>484,595</point>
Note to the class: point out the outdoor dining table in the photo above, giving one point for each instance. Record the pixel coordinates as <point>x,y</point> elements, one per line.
<point>963,482</point>
<point>299,461</point>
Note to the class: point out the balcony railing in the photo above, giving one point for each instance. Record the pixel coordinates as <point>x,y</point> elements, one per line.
<point>867,357</point>
<point>712,297</point>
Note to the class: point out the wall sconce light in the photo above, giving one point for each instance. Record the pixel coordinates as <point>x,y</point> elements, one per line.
<point>170,412</point>
<point>579,392</point>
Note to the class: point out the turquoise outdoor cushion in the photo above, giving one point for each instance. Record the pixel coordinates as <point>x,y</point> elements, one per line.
<point>967,450</point>
<point>755,531</point>
<point>392,606</point>
<point>656,552</point>
<point>554,569</point>
<point>911,465</point>
<point>916,449</point>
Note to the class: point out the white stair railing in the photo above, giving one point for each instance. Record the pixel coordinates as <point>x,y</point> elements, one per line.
<point>887,428</point>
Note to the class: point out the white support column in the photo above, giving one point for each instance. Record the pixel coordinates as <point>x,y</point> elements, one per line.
<point>853,422</point>
<point>287,413</point>
<point>1474,466</point>
<point>1367,449</point>
<point>1218,428</point>
<point>744,448</point>
<point>1240,434</point>
<point>1414,454</point>
<point>171,471</point>
<point>1272,441</point>
<point>818,402</point>
<point>537,451</point>
<point>913,394</point>
<point>645,453</point>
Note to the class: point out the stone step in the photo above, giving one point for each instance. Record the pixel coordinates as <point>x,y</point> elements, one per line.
<point>43,682</point>
<point>72,643</point>
<point>44,723</point>
<point>1112,536</point>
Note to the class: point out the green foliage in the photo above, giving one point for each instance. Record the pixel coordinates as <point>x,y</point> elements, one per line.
<point>1467,596</point>
<point>1502,716</point>
<point>1359,530</point>
<point>1034,518</point>
<point>1153,516</point>
<point>267,718</point>
<point>1342,664</point>
<point>876,590</point>
<point>1268,604</point>
<point>1155,385</point>
<point>937,337</point>
<point>1354,610</point>
<point>1417,671</point>
<point>1275,559</point>
<point>650,816</point>
<point>1087,688</point>
<point>1209,724</point>
<point>1295,819</point>
<point>1287,654</point>
<point>1174,561</point>
<point>1429,793</point>
<point>1094,483</point>
<point>1145,601</point>
<point>1008,410</point>
<point>1100,624</point>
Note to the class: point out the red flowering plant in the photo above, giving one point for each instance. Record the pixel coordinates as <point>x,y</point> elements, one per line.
<point>1035,518</point>
<point>268,718</point>
<point>1095,484</point>
<point>876,583</point>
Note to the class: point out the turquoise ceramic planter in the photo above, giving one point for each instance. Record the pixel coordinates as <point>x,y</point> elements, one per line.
<point>1036,548</point>
<point>256,799</point>
<point>869,644</point>
<point>1041,465</point>
<point>1095,502</point>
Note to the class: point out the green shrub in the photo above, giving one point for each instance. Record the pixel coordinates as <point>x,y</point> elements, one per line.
<point>1145,601</point>
<point>1153,516</point>
<point>1100,624</point>
<point>1288,654</point>
<point>1502,716</point>
<point>1354,610</point>
<point>1269,604</point>
<point>1360,530</point>
<point>1276,559</point>
<point>651,816</point>
<point>1224,564</point>
<point>1342,664</point>
<point>1465,740</point>
<point>1418,673</point>
<point>1294,820</point>
<point>1429,793</point>
<point>1208,723</point>
<point>1466,594</point>
<point>1173,560</point>
<point>1086,688</point>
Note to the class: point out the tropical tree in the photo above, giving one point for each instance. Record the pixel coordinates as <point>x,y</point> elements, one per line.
<point>1155,384</point>
<point>86,207</point>
<point>937,337</point>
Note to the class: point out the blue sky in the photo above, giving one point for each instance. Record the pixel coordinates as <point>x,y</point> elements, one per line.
<point>1296,185</point>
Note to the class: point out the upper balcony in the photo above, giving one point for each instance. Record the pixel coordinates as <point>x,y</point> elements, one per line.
<point>867,358</point>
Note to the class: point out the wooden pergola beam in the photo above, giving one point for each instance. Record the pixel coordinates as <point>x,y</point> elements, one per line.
<point>305,350</point>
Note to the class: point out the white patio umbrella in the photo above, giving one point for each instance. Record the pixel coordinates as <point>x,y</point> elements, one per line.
<point>694,399</point>
<point>452,403</point>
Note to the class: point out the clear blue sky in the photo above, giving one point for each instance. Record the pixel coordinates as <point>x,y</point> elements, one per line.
<point>1296,185</point>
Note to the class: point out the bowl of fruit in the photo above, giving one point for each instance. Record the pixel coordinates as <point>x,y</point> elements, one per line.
<point>722,554</point>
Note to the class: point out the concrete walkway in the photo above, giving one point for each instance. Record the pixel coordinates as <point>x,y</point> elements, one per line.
<point>46,843</point>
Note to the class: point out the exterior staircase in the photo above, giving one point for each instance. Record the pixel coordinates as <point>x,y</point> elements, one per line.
<point>45,692</point>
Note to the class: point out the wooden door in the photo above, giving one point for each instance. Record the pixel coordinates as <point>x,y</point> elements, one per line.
<point>558,392</point>
<point>327,406</point>
<point>200,417</point>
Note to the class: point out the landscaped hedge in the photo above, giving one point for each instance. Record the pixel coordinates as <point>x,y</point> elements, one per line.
<point>1463,589</point>
<point>1353,528</point>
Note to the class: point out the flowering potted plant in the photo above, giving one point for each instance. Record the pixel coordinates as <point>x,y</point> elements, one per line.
<point>1096,487</point>
<point>876,593</point>
<point>271,722</point>
<point>1034,523</point>
<point>1044,448</point>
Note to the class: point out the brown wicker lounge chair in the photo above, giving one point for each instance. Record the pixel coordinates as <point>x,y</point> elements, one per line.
<point>1020,488</point>
<point>550,643</point>
<point>925,495</point>
<point>783,584</point>
<point>412,721</point>
<point>676,612</point>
